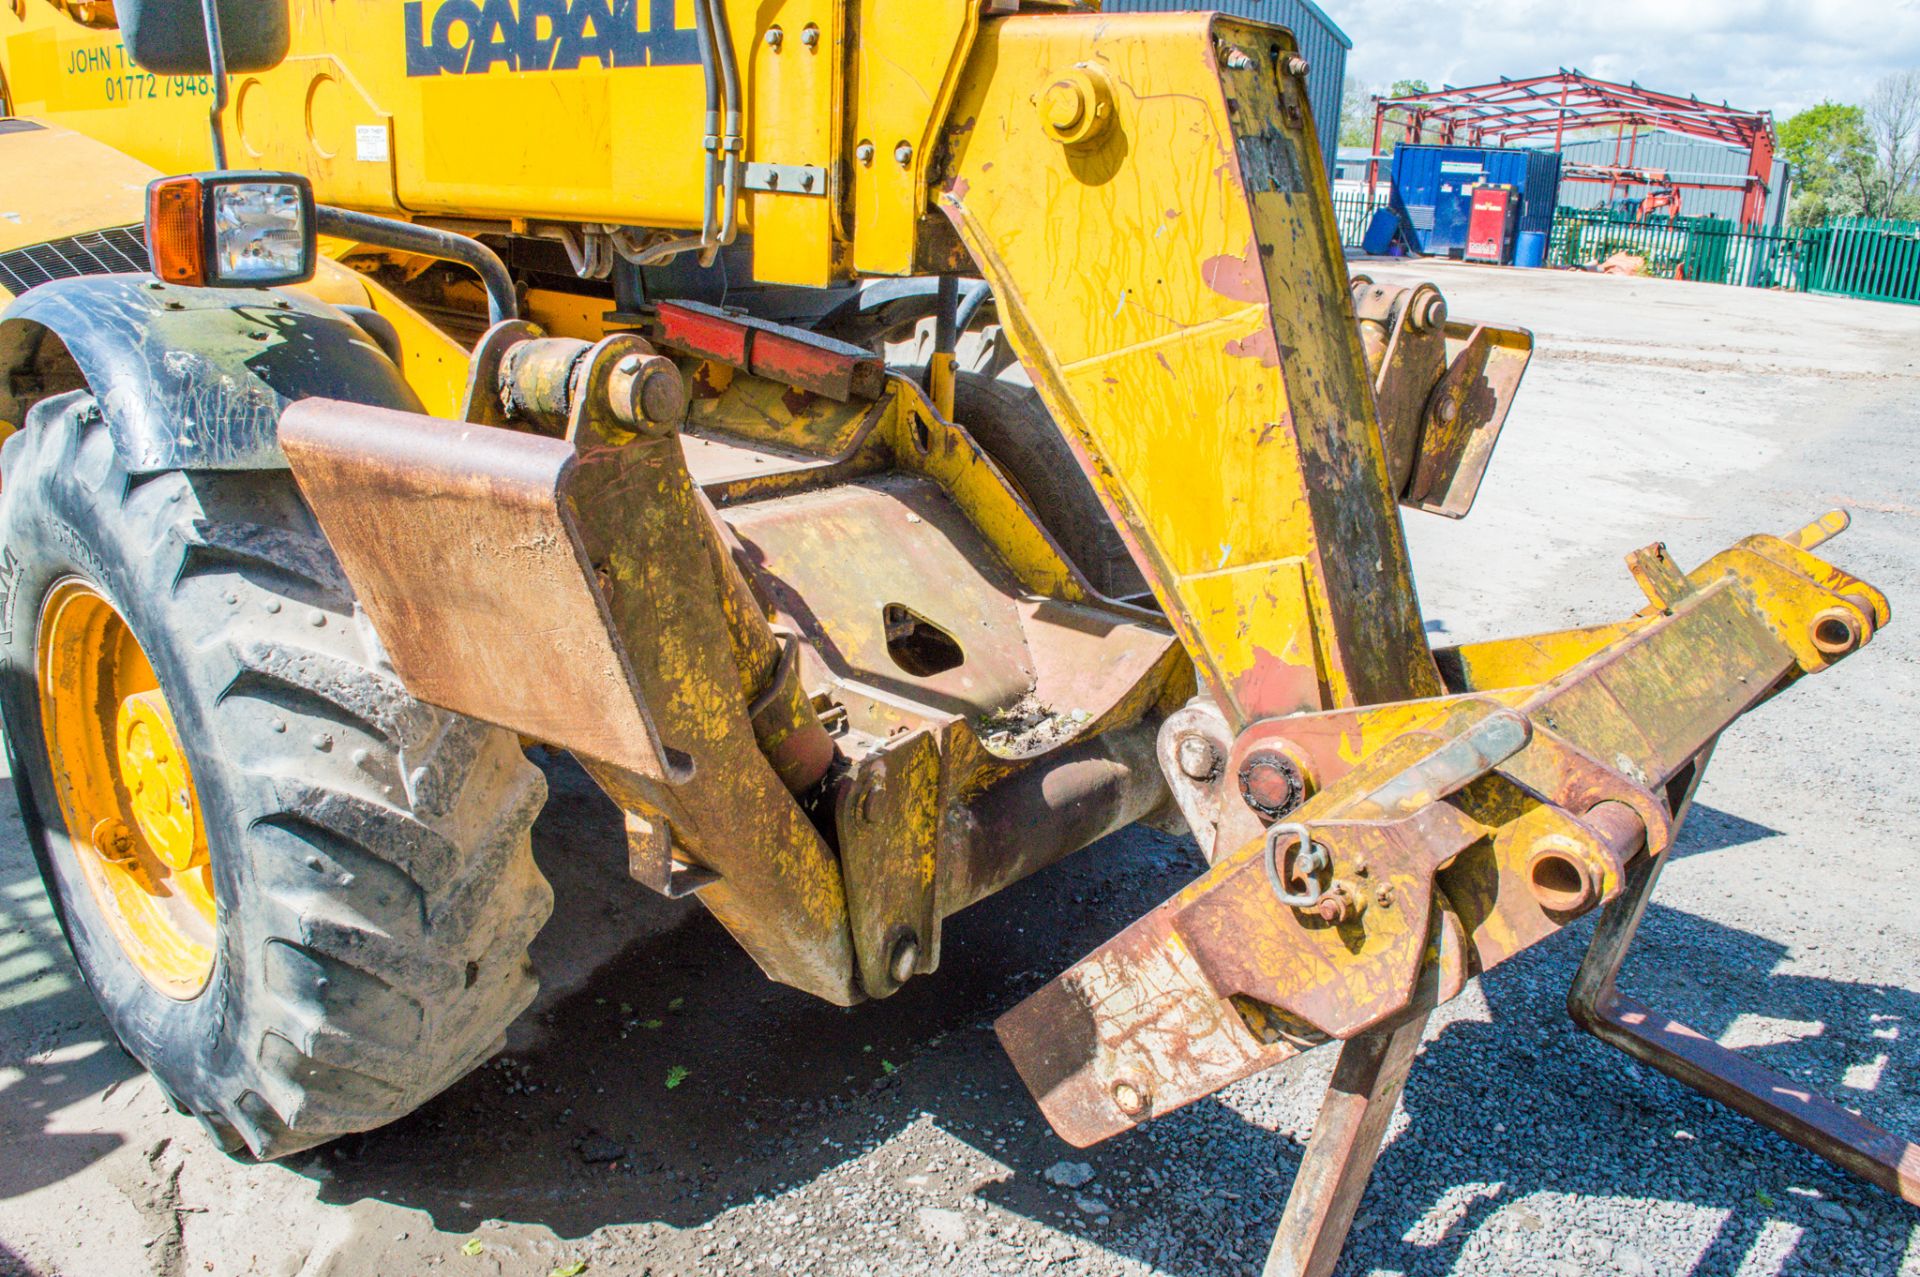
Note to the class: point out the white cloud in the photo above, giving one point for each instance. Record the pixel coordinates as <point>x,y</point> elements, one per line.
<point>1777,55</point>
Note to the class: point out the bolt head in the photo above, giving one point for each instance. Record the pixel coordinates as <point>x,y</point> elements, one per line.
<point>1430,313</point>
<point>864,153</point>
<point>663,393</point>
<point>810,35</point>
<point>903,153</point>
<point>906,956</point>
<point>1131,1099</point>
<point>1342,903</point>
<point>774,36</point>
<point>1272,783</point>
<point>1297,66</point>
<point>1197,757</point>
<point>1064,104</point>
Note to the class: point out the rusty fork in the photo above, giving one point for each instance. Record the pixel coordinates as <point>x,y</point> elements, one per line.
<point>1374,1066</point>
<point>1367,1081</point>
<point>1777,1103</point>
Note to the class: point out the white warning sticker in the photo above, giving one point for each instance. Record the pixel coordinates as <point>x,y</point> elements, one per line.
<point>370,143</point>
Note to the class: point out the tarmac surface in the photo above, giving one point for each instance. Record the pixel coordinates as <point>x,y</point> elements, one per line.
<point>895,1137</point>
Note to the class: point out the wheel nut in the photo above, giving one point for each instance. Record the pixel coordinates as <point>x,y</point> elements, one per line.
<point>1297,67</point>
<point>113,840</point>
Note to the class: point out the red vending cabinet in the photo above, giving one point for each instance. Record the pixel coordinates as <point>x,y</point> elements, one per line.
<point>1491,222</point>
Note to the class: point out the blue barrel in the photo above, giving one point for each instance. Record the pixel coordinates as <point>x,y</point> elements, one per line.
<point>1530,249</point>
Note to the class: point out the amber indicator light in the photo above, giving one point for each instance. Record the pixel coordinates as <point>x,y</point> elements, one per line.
<point>176,250</point>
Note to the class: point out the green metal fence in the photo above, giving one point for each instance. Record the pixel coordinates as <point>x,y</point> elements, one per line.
<point>1862,257</point>
<point>1710,250</point>
<point>1850,257</point>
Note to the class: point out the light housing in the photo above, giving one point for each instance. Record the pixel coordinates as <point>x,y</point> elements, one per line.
<point>231,229</point>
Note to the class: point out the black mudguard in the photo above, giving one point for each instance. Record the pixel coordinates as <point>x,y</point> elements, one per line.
<point>189,378</point>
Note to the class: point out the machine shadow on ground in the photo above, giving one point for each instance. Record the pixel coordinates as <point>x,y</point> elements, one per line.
<point>53,1036</point>
<point>576,1126</point>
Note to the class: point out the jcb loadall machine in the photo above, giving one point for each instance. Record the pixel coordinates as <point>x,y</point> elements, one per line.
<point>296,555</point>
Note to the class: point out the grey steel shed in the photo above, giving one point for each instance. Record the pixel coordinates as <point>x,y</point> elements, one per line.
<point>1323,44</point>
<point>1684,159</point>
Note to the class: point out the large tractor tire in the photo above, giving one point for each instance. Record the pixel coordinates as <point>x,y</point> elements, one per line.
<point>302,898</point>
<point>995,402</point>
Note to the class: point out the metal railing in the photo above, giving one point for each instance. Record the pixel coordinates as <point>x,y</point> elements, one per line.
<point>1353,212</point>
<point>1851,257</point>
<point>1709,250</point>
<point>1864,257</point>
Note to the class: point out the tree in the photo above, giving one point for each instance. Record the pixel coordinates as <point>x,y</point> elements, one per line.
<point>1356,114</point>
<point>1833,162</point>
<point>1407,88</point>
<point>1892,126</point>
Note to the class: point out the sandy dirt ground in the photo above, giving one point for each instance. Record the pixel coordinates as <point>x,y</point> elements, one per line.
<point>895,1138</point>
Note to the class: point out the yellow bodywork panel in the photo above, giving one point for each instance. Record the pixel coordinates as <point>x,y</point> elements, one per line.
<point>1147,204</point>
<point>798,87</point>
<point>102,188</point>
<point>80,77</point>
<point>544,112</point>
<point>433,363</point>
<point>97,187</point>
<point>908,58</point>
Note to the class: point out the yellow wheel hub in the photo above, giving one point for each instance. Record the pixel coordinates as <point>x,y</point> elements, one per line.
<point>126,792</point>
<point>156,773</point>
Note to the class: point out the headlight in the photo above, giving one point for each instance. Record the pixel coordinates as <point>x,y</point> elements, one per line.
<point>231,230</point>
<point>259,232</point>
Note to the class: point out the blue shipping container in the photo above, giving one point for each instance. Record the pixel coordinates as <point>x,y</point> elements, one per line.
<point>1432,185</point>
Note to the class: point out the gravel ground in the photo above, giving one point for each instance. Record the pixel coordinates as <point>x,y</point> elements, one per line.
<point>895,1138</point>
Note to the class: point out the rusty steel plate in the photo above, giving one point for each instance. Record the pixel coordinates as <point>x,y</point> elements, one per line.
<point>516,631</point>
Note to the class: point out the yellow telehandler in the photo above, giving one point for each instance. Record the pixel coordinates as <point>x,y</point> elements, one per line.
<point>891,444</point>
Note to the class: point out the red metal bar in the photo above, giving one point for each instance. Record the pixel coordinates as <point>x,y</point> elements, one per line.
<point>1373,160</point>
<point>1525,111</point>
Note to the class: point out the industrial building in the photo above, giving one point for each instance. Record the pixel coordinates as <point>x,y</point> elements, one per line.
<point>1681,158</point>
<point>1568,109</point>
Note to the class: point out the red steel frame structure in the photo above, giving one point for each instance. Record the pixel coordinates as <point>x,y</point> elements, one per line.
<point>1512,111</point>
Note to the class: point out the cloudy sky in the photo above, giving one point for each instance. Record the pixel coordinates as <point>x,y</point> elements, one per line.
<point>1758,54</point>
